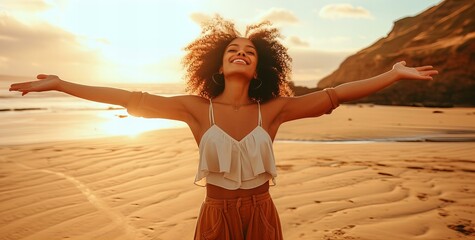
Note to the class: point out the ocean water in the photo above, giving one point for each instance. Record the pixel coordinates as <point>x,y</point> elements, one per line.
<point>54,116</point>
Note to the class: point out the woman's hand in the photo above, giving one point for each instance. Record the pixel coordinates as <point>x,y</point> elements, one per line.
<point>45,83</point>
<point>416,73</point>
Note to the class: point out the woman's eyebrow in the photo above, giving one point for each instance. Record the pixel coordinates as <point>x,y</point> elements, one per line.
<point>236,45</point>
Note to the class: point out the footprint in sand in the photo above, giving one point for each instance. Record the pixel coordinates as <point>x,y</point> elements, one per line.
<point>341,231</point>
<point>116,199</point>
<point>443,213</point>
<point>446,200</point>
<point>338,232</point>
<point>415,167</point>
<point>385,174</point>
<point>285,167</point>
<point>422,196</point>
<point>463,226</point>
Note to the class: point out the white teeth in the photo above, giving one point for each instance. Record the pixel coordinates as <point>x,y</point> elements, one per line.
<point>239,61</point>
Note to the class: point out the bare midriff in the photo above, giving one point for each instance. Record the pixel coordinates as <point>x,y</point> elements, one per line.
<point>214,191</point>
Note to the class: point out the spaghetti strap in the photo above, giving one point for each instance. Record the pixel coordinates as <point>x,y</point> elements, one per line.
<point>259,120</point>
<point>211,113</point>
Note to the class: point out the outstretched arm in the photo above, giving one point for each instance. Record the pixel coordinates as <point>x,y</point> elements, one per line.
<point>54,83</point>
<point>359,89</point>
<point>137,103</point>
<point>321,102</point>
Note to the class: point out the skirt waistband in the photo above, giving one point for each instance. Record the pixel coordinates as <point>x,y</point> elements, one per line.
<point>238,202</point>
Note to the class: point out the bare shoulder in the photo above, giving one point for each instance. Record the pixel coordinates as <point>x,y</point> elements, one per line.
<point>276,104</point>
<point>192,100</point>
<point>192,103</point>
<point>197,106</point>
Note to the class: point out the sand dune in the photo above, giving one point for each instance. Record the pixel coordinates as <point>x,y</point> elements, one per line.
<point>142,188</point>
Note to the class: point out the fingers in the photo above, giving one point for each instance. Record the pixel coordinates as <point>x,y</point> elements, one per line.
<point>429,73</point>
<point>424,72</point>
<point>421,68</point>
<point>19,86</point>
<point>427,70</point>
<point>424,68</point>
<point>26,87</point>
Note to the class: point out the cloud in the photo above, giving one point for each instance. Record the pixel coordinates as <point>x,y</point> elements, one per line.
<point>344,10</point>
<point>279,15</point>
<point>26,6</point>
<point>43,48</point>
<point>297,42</point>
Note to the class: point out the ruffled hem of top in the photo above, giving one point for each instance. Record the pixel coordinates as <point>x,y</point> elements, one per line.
<point>217,179</point>
<point>234,164</point>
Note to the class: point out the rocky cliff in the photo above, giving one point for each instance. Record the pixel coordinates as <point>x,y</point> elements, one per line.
<point>442,36</point>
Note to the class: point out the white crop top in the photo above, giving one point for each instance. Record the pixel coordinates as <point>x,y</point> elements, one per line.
<point>224,161</point>
<point>233,164</point>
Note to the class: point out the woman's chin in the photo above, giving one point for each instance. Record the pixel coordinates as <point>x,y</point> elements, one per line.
<point>238,74</point>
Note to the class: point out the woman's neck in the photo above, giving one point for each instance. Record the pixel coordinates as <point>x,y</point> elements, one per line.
<point>235,93</point>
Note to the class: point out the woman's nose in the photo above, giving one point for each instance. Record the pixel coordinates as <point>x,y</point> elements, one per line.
<point>241,53</point>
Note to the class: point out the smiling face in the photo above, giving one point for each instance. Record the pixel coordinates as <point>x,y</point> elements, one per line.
<point>240,58</point>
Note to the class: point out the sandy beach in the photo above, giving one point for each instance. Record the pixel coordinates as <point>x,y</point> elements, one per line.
<point>363,172</point>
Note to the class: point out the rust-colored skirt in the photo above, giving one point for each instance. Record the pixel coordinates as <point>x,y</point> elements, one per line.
<point>251,217</point>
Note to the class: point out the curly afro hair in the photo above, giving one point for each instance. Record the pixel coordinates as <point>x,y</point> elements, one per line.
<point>204,58</point>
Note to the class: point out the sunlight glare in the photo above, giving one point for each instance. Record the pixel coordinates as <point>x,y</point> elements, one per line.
<point>119,123</point>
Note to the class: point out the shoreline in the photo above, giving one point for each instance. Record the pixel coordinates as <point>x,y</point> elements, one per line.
<point>435,139</point>
<point>448,125</point>
<point>420,139</point>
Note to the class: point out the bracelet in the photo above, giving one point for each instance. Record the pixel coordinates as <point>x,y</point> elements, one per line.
<point>333,98</point>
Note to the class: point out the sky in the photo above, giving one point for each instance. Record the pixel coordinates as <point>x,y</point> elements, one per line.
<point>142,41</point>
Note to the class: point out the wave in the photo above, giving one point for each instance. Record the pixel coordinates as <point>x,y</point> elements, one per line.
<point>20,109</point>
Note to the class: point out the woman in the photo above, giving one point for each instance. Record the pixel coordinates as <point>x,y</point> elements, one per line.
<point>242,97</point>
